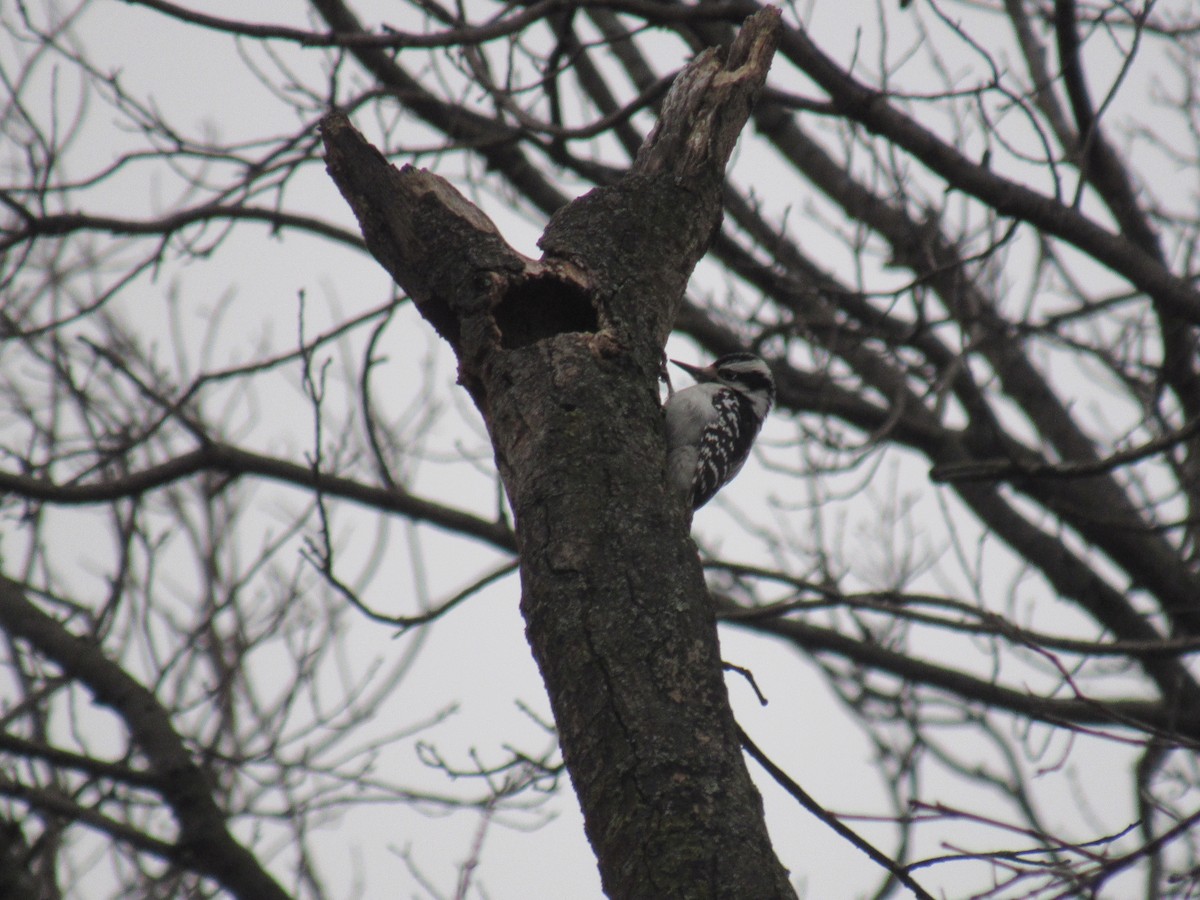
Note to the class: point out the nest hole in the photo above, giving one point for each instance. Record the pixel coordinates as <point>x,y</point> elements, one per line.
<point>538,308</point>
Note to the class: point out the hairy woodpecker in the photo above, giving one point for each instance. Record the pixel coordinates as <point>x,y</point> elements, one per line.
<point>712,424</point>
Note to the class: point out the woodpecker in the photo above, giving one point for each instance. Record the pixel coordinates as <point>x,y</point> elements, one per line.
<point>712,424</point>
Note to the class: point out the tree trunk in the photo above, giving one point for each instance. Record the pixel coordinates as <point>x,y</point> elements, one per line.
<point>561,355</point>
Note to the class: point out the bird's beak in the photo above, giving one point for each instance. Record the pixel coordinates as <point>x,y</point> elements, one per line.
<point>700,373</point>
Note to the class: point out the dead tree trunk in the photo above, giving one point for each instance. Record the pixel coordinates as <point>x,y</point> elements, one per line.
<point>561,355</point>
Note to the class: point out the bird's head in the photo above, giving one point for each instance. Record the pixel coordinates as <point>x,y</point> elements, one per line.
<point>742,372</point>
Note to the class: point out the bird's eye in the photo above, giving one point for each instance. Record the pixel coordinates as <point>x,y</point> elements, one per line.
<point>727,374</point>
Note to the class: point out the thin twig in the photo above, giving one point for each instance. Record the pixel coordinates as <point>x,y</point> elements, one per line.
<point>806,800</point>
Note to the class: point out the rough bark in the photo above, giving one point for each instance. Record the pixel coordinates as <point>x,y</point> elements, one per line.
<point>561,355</point>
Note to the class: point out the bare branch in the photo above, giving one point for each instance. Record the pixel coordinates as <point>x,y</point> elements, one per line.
<point>204,839</point>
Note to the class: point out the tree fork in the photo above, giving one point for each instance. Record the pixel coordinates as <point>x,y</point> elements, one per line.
<point>561,356</point>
